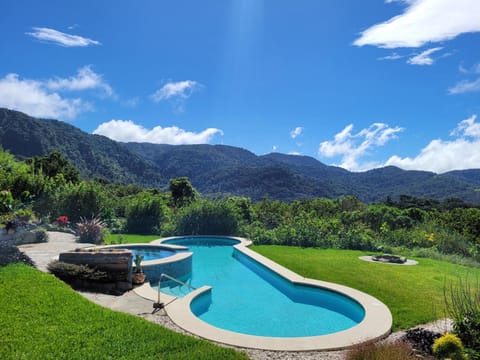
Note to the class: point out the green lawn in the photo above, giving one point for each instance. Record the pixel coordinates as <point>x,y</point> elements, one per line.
<point>414,294</point>
<point>130,238</point>
<point>42,318</point>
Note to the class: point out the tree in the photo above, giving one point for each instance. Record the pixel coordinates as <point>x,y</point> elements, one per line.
<point>182,192</point>
<point>54,164</point>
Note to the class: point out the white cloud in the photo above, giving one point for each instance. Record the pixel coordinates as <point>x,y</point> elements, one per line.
<point>181,89</point>
<point>296,153</point>
<point>465,86</point>
<point>85,79</point>
<point>128,131</point>
<point>177,92</point>
<point>424,21</point>
<point>31,97</point>
<point>441,156</point>
<point>393,56</point>
<point>274,148</point>
<point>296,132</point>
<point>467,128</point>
<point>59,38</point>
<point>424,57</point>
<point>352,147</point>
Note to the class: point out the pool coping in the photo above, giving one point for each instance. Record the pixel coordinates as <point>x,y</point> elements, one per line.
<point>146,263</point>
<point>376,324</point>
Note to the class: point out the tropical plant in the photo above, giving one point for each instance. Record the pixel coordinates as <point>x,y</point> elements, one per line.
<point>90,230</point>
<point>138,263</point>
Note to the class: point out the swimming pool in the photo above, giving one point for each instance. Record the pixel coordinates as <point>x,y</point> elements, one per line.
<point>149,252</point>
<point>246,300</point>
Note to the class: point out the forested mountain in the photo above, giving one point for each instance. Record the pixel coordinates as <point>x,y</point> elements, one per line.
<point>220,169</point>
<point>93,155</point>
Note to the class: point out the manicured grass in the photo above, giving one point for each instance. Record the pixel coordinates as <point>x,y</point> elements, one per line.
<point>130,238</point>
<point>42,318</point>
<point>414,294</point>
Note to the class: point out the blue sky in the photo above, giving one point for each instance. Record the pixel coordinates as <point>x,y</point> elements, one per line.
<point>358,84</point>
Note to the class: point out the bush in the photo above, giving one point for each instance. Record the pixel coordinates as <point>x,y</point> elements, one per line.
<point>90,230</point>
<point>216,217</point>
<point>463,304</point>
<point>383,351</point>
<point>449,346</point>
<point>71,272</point>
<point>9,253</point>
<point>421,339</point>
<point>144,214</point>
<point>77,200</point>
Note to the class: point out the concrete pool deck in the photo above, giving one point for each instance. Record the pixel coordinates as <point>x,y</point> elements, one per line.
<point>376,324</point>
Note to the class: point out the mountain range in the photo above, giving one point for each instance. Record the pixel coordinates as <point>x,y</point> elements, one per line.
<point>220,169</point>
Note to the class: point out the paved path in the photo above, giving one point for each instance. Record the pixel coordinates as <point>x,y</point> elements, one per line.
<point>43,253</point>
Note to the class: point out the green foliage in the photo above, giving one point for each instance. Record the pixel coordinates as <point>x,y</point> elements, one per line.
<point>462,301</point>
<point>6,201</point>
<point>54,166</point>
<point>85,199</point>
<point>90,230</point>
<point>144,213</point>
<point>42,318</point>
<point>449,346</point>
<point>25,214</point>
<point>182,192</point>
<point>204,217</point>
<point>71,272</point>
<point>381,351</point>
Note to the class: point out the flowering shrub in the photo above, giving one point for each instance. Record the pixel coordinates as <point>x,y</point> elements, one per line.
<point>62,221</point>
<point>449,346</point>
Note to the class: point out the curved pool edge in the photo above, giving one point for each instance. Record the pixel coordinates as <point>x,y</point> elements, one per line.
<point>376,324</point>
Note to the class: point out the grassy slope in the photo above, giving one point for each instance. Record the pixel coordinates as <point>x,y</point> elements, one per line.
<point>42,318</point>
<point>414,294</point>
<point>130,238</point>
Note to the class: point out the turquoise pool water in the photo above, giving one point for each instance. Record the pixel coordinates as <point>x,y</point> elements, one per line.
<point>148,252</point>
<point>248,298</point>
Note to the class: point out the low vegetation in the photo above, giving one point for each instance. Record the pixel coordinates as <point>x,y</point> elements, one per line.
<point>396,351</point>
<point>42,318</point>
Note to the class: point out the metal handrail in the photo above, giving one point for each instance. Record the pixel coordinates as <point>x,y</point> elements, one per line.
<point>159,305</point>
<point>177,281</point>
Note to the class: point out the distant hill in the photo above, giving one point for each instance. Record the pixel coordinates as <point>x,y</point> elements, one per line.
<point>93,155</point>
<point>220,169</point>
